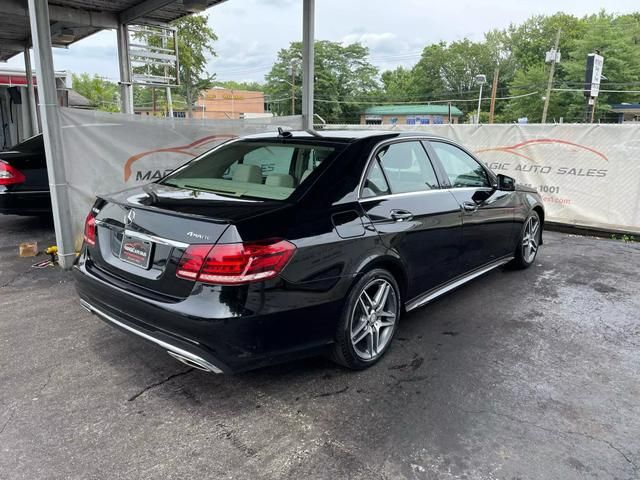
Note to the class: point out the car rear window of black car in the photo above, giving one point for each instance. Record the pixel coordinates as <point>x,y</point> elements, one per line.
<point>265,170</point>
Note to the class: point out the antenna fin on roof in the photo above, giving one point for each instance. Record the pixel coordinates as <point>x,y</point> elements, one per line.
<point>283,133</point>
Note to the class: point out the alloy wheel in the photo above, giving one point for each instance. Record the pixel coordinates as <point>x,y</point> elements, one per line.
<point>373,319</point>
<point>530,239</point>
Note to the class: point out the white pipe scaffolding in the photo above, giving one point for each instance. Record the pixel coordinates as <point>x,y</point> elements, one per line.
<point>52,133</point>
<point>31,94</point>
<point>308,69</point>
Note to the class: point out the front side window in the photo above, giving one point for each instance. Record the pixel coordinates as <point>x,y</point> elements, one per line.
<point>252,169</point>
<point>460,167</point>
<point>407,167</point>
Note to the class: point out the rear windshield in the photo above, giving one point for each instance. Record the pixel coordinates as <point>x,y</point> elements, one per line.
<point>250,169</point>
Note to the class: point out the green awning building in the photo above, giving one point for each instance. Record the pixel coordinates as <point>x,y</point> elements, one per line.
<point>410,115</point>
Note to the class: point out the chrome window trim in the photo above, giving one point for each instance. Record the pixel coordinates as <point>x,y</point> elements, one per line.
<point>378,146</point>
<point>401,194</point>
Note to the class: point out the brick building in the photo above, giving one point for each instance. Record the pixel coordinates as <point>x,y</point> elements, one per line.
<point>224,103</point>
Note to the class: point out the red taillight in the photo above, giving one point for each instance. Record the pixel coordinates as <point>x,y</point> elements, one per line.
<point>90,229</point>
<point>235,263</point>
<point>10,175</point>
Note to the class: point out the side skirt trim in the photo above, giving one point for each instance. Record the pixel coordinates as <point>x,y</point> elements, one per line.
<point>433,294</point>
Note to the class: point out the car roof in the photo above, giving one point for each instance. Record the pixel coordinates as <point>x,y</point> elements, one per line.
<point>340,135</point>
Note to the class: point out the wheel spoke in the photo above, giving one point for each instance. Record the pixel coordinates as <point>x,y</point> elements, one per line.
<point>366,298</point>
<point>534,230</point>
<point>361,334</point>
<point>373,340</point>
<point>387,323</point>
<point>381,296</point>
<point>383,313</point>
<point>362,323</point>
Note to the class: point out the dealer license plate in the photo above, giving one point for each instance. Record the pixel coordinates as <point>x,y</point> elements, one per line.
<point>135,251</point>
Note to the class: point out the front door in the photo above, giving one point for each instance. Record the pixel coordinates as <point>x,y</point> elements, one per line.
<point>413,214</point>
<point>487,213</point>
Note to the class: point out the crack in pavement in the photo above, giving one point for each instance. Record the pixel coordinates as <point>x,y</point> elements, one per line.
<point>330,394</point>
<point>556,432</point>
<point>161,382</point>
<point>13,413</point>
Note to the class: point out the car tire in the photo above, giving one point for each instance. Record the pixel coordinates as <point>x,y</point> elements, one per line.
<point>369,320</point>
<point>528,242</point>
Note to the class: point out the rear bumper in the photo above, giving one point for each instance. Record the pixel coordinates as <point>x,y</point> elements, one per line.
<point>207,333</point>
<point>25,202</point>
<point>188,354</point>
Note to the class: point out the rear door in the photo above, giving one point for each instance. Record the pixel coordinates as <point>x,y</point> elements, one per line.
<point>413,214</point>
<point>488,213</point>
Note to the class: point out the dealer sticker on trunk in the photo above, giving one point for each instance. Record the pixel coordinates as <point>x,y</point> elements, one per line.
<point>135,251</point>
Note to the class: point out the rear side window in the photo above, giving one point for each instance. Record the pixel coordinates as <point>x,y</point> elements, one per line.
<point>375,184</point>
<point>461,168</point>
<point>252,169</point>
<point>407,167</point>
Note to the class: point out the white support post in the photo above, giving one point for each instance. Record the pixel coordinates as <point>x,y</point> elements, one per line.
<point>308,24</point>
<point>31,93</point>
<point>25,115</point>
<point>126,89</point>
<point>169,103</point>
<point>52,132</point>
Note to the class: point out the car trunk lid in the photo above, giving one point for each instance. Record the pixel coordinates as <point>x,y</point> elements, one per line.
<point>142,233</point>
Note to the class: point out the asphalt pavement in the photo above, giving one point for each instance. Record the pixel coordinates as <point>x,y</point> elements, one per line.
<point>520,375</point>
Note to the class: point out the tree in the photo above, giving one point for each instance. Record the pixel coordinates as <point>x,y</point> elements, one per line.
<point>195,40</point>
<point>448,71</point>
<point>233,85</point>
<point>618,40</point>
<point>102,94</point>
<point>344,80</point>
<point>400,85</point>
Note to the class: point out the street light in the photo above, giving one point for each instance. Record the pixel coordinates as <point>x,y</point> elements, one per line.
<point>481,80</point>
<point>292,71</point>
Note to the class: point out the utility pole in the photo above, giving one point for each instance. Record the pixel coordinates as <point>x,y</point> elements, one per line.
<point>494,91</point>
<point>551,73</point>
<point>481,80</point>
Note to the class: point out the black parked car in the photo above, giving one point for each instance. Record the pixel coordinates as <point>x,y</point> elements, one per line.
<point>24,185</point>
<point>274,247</point>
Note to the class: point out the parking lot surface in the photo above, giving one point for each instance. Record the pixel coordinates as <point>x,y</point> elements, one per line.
<point>520,375</point>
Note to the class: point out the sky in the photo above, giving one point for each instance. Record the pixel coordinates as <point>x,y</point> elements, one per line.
<point>251,32</point>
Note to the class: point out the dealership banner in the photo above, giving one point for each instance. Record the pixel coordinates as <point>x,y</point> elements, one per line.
<point>587,174</point>
<point>108,152</point>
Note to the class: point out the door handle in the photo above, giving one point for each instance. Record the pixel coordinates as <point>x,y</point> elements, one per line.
<point>469,206</point>
<point>401,215</point>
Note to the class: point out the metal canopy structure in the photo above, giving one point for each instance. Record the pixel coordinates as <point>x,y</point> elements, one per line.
<point>44,24</point>
<point>73,20</point>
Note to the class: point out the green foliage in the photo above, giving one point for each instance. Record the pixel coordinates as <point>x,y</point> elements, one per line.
<point>195,39</point>
<point>233,85</point>
<point>446,70</point>
<point>102,94</point>
<point>344,79</point>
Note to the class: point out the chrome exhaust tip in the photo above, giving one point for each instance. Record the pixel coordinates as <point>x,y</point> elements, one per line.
<point>192,362</point>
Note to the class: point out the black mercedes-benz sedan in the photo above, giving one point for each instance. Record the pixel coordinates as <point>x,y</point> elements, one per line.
<point>277,246</point>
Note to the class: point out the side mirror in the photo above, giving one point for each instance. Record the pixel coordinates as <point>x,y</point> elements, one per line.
<point>505,183</point>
